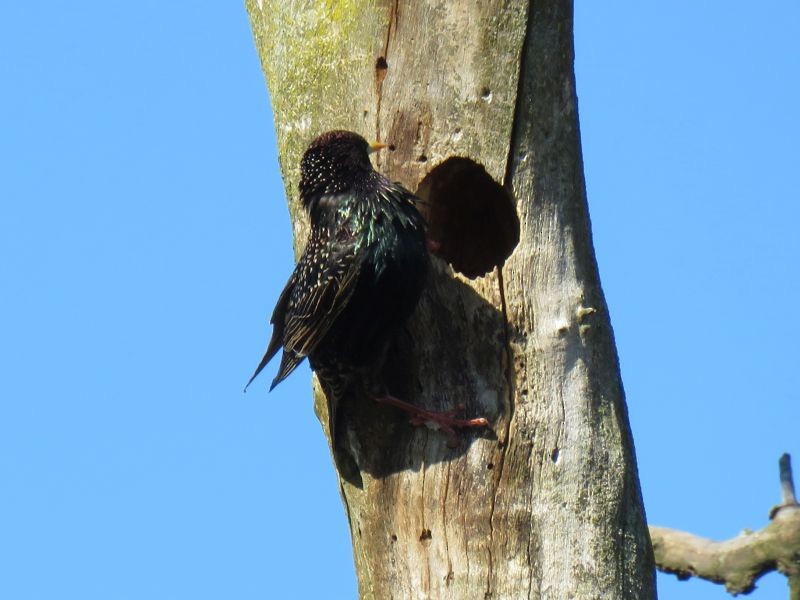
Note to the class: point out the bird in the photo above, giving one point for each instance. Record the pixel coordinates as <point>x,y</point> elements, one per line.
<point>359,278</point>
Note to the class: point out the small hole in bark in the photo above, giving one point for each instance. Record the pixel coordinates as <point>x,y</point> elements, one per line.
<point>486,94</point>
<point>471,217</point>
<point>554,455</point>
<point>380,72</point>
<point>422,158</point>
<point>425,535</point>
<point>490,466</point>
<point>392,147</point>
<point>394,538</point>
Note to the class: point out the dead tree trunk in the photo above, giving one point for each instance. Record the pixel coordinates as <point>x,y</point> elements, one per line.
<point>549,506</point>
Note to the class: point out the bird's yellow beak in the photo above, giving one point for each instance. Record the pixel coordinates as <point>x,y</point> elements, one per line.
<point>375,146</point>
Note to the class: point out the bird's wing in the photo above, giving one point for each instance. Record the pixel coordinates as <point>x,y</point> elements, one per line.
<point>318,290</point>
<point>328,284</point>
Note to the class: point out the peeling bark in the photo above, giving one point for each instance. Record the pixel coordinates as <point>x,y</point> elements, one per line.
<point>547,504</point>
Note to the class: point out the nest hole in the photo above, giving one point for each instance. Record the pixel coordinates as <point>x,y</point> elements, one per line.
<point>471,218</point>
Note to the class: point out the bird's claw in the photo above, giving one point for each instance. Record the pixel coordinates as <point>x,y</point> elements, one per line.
<point>446,422</point>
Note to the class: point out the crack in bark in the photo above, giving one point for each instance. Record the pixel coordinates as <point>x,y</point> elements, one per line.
<point>523,67</point>
<point>510,375</point>
<point>501,285</point>
<point>394,20</point>
<point>510,378</point>
<point>444,526</point>
<point>496,485</point>
<point>506,441</point>
<point>563,425</point>
<point>530,550</point>
<point>427,582</point>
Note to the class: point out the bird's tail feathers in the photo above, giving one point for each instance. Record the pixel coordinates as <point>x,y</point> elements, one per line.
<point>258,370</point>
<point>289,362</point>
<point>272,350</point>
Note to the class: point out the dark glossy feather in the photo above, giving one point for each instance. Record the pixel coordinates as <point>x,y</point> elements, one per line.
<point>362,269</point>
<point>312,308</point>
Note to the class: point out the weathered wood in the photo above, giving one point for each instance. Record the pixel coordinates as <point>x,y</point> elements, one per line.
<point>549,505</point>
<point>739,562</point>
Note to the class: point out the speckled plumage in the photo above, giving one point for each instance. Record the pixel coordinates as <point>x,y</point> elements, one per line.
<point>363,268</point>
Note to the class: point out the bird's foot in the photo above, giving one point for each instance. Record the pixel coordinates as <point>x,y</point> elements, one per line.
<point>446,422</point>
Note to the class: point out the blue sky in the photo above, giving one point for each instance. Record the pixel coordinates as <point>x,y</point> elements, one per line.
<point>144,239</point>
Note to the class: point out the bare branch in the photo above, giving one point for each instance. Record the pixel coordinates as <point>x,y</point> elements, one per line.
<point>740,561</point>
<point>787,482</point>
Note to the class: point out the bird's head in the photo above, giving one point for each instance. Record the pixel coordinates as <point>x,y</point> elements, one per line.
<point>333,163</point>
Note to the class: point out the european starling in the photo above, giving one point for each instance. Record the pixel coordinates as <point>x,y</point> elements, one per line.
<point>360,276</point>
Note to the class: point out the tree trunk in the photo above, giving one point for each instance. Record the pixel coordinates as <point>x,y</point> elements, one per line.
<point>547,505</point>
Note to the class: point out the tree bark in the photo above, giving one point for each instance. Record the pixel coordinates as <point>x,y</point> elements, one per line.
<point>547,505</point>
